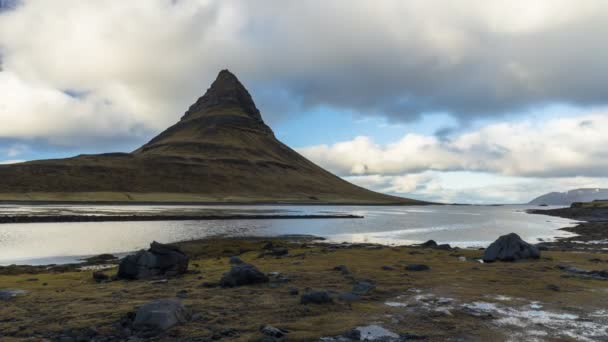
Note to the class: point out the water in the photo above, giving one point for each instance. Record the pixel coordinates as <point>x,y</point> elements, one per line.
<point>463,226</point>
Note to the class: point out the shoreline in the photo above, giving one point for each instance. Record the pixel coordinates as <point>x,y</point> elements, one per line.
<point>592,231</point>
<point>146,218</point>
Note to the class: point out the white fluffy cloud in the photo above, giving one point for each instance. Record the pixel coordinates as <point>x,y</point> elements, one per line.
<point>560,147</point>
<point>136,65</point>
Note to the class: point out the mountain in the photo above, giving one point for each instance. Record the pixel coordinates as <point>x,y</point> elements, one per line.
<point>220,151</point>
<point>569,197</point>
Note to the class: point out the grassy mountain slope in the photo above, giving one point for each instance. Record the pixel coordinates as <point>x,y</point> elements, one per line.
<point>220,151</point>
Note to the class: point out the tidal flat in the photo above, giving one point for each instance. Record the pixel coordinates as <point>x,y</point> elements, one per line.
<point>457,298</point>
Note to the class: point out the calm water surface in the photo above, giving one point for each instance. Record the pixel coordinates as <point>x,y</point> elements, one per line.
<point>464,226</point>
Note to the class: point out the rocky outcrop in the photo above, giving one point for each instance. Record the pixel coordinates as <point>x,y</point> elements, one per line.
<point>510,247</point>
<point>243,274</point>
<point>159,260</point>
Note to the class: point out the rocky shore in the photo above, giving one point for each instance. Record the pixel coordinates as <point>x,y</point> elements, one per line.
<point>298,288</point>
<point>591,236</point>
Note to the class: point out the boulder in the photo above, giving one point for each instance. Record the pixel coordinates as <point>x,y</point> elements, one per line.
<point>348,297</point>
<point>159,260</point>
<point>429,244</point>
<point>243,274</point>
<point>160,315</point>
<point>235,260</point>
<point>510,247</point>
<point>316,297</point>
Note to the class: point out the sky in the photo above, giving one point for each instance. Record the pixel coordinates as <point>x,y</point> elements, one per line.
<point>470,101</point>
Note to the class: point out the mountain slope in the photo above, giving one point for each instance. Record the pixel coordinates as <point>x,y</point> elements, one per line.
<point>571,196</point>
<point>220,151</point>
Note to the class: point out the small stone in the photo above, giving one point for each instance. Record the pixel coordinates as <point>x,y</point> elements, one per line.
<point>279,251</point>
<point>294,291</point>
<point>316,297</point>
<point>462,258</point>
<point>343,269</point>
<point>182,294</point>
<point>363,287</point>
<point>417,267</point>
<point>553,287</point>
<point>100,277</point>
<point>269,330</point>
<point>388,268</point>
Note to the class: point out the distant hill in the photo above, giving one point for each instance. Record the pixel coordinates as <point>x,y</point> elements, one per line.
<point>220,151</point>
<point>569,197</point>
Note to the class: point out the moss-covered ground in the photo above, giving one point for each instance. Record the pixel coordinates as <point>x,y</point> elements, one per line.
<point>55,301</point>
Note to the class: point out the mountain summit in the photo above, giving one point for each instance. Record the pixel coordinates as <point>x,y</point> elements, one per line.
<point>225,92</point>
<point>220,151</point>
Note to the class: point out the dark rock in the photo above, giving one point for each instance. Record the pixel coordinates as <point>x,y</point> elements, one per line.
<point>160,259</point>
<point>279,251</point>
<point>444,247</point>
<point>363,287</point>
<point>6,294</point>
<point>510,247</point>
<point>417,267</point>
<point>243,274</point>
<point>182,294</point>
<point>429,244</point>
<point>349,297</point>
<point>235,260</point>
<point>101,259</point>
<point>316,297</point>
<point>209,285</point>
<point>388,268</point>
<point>294,291</point>
<point>553,287</point>
<point>100,277</point>
<point>343,269</point>
<point>269,330</point>
<point>160,315</point>
<point>585,274</point>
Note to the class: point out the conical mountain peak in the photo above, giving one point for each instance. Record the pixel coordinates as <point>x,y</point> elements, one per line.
<point>226,95</point>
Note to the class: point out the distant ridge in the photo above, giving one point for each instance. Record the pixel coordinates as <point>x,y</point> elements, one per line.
<point>571,196</point>
<point>220,151</point>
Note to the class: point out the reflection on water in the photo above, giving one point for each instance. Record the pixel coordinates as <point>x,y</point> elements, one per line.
<point>464,226</point>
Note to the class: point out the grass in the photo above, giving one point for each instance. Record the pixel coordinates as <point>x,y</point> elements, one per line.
<point>73,299</point>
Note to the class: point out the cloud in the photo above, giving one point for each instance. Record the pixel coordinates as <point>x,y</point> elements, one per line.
<point>560,147</point>
<point>138,64</point>
<point>472,187</point>
<point>13,161</point>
